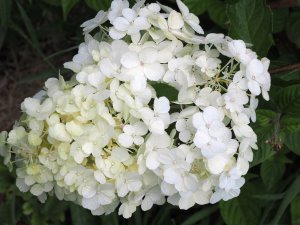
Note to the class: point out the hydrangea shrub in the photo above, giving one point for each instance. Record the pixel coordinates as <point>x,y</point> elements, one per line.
<point>107,138</point>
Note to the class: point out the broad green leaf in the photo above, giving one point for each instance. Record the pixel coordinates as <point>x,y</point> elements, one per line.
<point>217,13</point>
<point>137,217</point>
<point>197,7</point>
<point>271,171</point>
<point>292,191</point>
<point>38,219</point>
<point>251,21</point>
<point>292,140</point>
<point>111,219</point>
<point>67,5</point>
<point>288,100</point>
<point>265,150</point>
<point>242,210</point>
<point>295,211</point>
<point>81,216</point>
<point>265,117</point>
<point>98,4</point>
<point>199,216</point>
<point>280,19</point>
<point>290,124</point>
<point>292,27</point>
<point>162,215</point>
<point>166,90</point>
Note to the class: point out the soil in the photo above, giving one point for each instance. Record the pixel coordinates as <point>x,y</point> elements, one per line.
<point>22,74</point>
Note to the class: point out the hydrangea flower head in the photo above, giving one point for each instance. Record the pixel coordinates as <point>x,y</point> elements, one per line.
<point>108,138</point>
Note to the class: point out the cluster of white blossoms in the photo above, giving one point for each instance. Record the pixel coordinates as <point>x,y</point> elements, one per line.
<point>106,138</point>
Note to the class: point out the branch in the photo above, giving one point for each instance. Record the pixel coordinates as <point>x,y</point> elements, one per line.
<point>282,4</point>
<point>292,67</point>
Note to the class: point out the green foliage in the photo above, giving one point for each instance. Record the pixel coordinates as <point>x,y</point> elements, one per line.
<point>251,21</point>
<point>243,210</point>
<point>271,171</point>
<point>197,7</point>
<point>98,5</point>
<point>165,90</point>
<point>293,28</point>
<point>67,5</point>
<point>295,212</point>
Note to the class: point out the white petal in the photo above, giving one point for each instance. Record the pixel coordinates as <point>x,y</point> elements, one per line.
<point>182,7</point>
<point>175,20</point>
<point>88,191</point>
<point>171,176</point>
<point>88,148</point>
<point>141,23</point>
<point>36,189</point>
<point>125,140</point>
<point>216,164</point>
<point>211,114</point>
<point>254,87</point>
<point>121,24</point>
<point>121,154</point>
<point>99,177</point>
<point>152,161</point>
<point>154,71</point>
<point>134,184</point>
<point>129,14</point>
<point>161,105</point>
<point>157,126</point>
<point>130,60</point>
<point>90,203</point>
<point>115,34</point>
<point>148,55</point>
<point>138,84</point>
<point>198,120</point>
<point>147,204</point>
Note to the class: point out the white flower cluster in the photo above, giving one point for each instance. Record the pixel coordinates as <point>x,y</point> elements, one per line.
<point>106,138</point>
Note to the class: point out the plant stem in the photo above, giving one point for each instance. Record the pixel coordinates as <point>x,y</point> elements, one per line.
<point>292,67</point>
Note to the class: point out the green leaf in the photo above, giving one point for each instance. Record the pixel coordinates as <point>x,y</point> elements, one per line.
<point>37,219</point>
<point>242,210</point>
<point>295,211</point>
<point>197,7</point>
<point>166,90</point>
<point>98,4</point>
<point>217,13</point>
<point>67,5</point>
<point>81,216</point>
<point>291,193</point>
<point>288,100</point>
<point>198,216</point>
<point>265,150</point>
<point>292,140</point>
<point>280,19</point>
<point>292,28</point>
<point>251,21</point>
<point>265,117</point>
<point>29,26</point>
<point>271,172</point>
<point>290,124</point>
